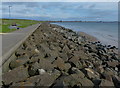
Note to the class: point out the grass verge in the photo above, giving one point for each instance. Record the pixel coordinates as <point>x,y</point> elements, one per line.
<point>4,26</point>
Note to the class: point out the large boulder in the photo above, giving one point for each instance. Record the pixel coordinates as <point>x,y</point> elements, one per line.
<point>77,71</point>
<point>63,56</point>
<point>20,52</point>
<point>15,75</point>
<point>105,83</point>
<point>44,48</point>
<point>22,84</point>
<point>18,62</point>
<point>42,63</point>
<point>77,79</point>
<point>46,80</point>
<point>91,73</point>
<point>108,74</point>
<point>92,48</point>
<point>56,73</point>
<point>53,55</point>
<point>66,49</point>
<point>34,59</point>
<point>46,64</point>
<point>42,80</point>
<point>116,80</point>
<point>33,69</point>
<point>81,54</point>
<point>112,63</point>
<point>59,64</point>
<point>100,69</point>
<point>74,60</point>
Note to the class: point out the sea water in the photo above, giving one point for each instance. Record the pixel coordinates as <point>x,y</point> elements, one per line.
<point>107,33</point>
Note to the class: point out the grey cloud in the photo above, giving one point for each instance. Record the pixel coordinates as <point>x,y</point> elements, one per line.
<point>68,7</point>
<point>77,7</point>
<point>85,6</point>
<point>80,6</point>
<point>23,11</point>
<point>50,4</point>
<point>32,4</point>
<point>13,3</point>
<point>27,4</point>
<point>72,7</point>
<point>102,13</point>
<point>92,6</point>
<point>4,9</point>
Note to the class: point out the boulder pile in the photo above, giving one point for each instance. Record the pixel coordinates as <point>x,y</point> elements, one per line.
<point>54,56</point>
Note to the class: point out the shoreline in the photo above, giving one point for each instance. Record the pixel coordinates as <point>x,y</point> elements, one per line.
<point>56,56</point>
<point>80,33</point>
<point>89,37</point>
<point>93,38</point>
<point>104,39</point>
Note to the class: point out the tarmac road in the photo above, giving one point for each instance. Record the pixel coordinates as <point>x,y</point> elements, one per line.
<point>11,41</point>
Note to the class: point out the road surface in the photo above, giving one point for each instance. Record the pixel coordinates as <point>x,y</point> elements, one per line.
<point>11,41</point>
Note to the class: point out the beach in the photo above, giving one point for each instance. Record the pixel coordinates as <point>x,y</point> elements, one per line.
<point>55,56</point>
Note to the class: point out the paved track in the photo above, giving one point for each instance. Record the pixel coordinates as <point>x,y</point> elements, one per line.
<point>11,41</point>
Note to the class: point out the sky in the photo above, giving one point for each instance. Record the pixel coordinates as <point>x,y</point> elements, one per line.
<point>69,11</point>
<point>60,0</point>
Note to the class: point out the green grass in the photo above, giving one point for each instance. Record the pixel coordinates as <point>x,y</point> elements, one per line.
<point>4,26</point>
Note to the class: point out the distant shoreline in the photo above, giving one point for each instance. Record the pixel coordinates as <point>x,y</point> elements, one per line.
<point>86,21</point>
<point>67,21</point>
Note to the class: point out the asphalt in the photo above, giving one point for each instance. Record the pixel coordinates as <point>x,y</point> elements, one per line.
<point>11,41</point>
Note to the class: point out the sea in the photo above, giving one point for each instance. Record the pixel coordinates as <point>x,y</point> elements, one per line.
<point>105,32</point>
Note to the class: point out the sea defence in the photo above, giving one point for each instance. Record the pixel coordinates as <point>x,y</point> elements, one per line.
<point>55,56</point>
<point>11,41</point>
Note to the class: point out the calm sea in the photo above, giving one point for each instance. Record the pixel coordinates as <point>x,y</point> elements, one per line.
<point>107,33</point>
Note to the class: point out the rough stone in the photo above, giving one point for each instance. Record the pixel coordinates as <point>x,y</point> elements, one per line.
<point>91,73</point>
<point>77,71</point>
<point>20,61</point>
<point>46,80</point>
<point>32,70</point>
<point>46,64</point>
<point>74,60</point>
<point>63,56</point>
<point>67,66</point>
<point>34,59</point>
<point>116,81</point>
<point>105,83</point>
<point>100,69</point>
<point>112,63</point>
<point>56,73</point>
<point>76,79</point>
<point>81,54</point>
<point>37,51</point>
<point>15,75</point>
<point>22,84</point>
<point>41,71</point>
<point>65,48</point>
<point>59,63</point>
<point>20,52</point>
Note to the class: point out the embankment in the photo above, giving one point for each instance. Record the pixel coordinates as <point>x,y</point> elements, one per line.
<point>55,56</point>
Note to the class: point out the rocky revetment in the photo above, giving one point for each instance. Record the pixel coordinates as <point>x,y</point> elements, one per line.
<point>55,56</point>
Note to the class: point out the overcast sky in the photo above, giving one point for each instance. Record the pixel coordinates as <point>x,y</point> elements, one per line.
<point>102,11</point>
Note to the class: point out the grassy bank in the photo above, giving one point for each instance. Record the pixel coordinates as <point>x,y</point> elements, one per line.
<point>4,26</point>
